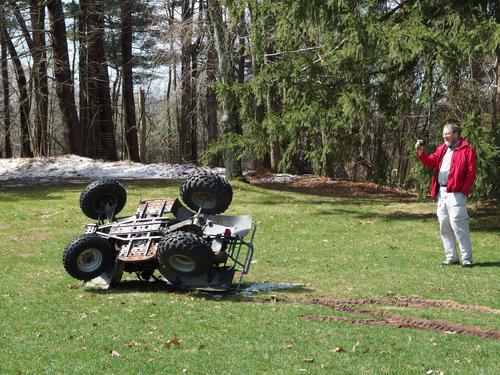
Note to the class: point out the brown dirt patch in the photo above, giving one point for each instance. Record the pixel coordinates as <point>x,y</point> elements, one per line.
<point>318,185</point>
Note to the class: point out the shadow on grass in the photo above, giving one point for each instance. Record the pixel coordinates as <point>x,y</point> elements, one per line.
<point>274,196</point>
<point>287,200</point>
<point>482,221</point>
<point>339,189</point>
<point>487,264</point>
<point>485,220</point>
<point>9,196</point>
<point>138,286</point>
<point>141,286</point>
<point>389,216</point>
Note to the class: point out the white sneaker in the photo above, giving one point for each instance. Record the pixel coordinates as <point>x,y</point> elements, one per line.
<point>466,263</point>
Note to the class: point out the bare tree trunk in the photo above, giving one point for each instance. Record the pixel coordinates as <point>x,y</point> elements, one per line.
<point>24,104</point>
<point>170,11</point>
<point>453,84</point>
<point>275,156</point>
<point>377,160</point>
<point>259,108</point>
<point>100,99</point>
<point>428,121</point>
<point>64,84</point>
<point>143,130</point>
<point>496,98</point>
<point>230,121</point>
<point>116,88</point>
<point>85,118</point>
<point>6,94</point>
<point>496,93</point>
<point>185,128</point>
<point>273,104</point>
<point>22,23</point>
<point>242,33</point>
<point>130,122</point>
<point>195,49</point>
<point>75,31</point>
<point>275,152</point>
<point>211,102</point>
<point>41,91</point>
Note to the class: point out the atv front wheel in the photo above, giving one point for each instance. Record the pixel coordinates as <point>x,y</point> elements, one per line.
<point>207,191</point>
<point>87,256</point>
<point>103,199</point>
<point>185,253</point>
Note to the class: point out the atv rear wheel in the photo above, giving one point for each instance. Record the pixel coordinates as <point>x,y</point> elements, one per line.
<point>207,191</point>
<point>185,253</point>
<point>87,256</point>
<point>103,199</point>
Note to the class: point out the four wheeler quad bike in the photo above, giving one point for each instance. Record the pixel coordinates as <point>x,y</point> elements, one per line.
<point>198,249</point>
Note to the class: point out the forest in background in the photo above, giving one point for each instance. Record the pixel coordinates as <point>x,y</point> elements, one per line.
<point>331,87</point>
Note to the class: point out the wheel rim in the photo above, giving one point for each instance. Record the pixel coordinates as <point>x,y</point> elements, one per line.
<point>108,201</point>
<point>89,260</point>
<point>203,199</point>
<point>182,263</point>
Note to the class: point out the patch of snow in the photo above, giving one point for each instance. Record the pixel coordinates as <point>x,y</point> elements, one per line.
<point>53,170</point>
<point>268,287</point>
<point>276,178</point>
<point>25,171</point>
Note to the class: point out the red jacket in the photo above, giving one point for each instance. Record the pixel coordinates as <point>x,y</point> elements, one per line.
<point>462,168</point>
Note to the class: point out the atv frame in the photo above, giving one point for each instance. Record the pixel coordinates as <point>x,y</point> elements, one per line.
<point>191,250</point>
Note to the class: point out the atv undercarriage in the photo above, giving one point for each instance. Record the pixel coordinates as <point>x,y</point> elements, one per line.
<point>194,250</point>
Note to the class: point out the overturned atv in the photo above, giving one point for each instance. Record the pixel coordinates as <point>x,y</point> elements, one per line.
<point>197,249</point>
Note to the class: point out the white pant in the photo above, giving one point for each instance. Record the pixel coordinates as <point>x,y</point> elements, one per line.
<point>454,224</point>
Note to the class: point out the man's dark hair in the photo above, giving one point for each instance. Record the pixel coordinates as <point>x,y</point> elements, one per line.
<point>453,126</point>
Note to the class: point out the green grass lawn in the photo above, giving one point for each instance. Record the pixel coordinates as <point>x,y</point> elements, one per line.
<point>333,246</point>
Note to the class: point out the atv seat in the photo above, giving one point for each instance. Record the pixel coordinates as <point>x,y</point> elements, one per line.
<point>239,225</point>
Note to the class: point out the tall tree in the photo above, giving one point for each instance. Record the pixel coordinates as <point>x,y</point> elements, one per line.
<point>226,77</point>
<point>100,124</point>
<point>496,92</point>
<point>24,103</point>
<point>495,116</point>
<point>83,78</point>
<point>64,83</point>
<point>211,101</point>
<point>186,151</point>
<point>41,87</point>
<point>37,48</point>
<point>16,10</point>
<point>128,83</point>
<point>6,95</point>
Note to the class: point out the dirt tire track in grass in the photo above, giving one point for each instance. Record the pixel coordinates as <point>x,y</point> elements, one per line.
<point>415,301</point>
<point>390,319</point>
<point>399,321</point>
<point>405,301</point>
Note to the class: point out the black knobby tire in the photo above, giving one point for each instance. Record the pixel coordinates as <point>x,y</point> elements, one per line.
<point>102,197</point>
<point>87,256</point>
<point>204,189</point>
<point>185,253</point>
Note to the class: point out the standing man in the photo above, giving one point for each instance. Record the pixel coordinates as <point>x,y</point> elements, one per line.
<point>454,165</point>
